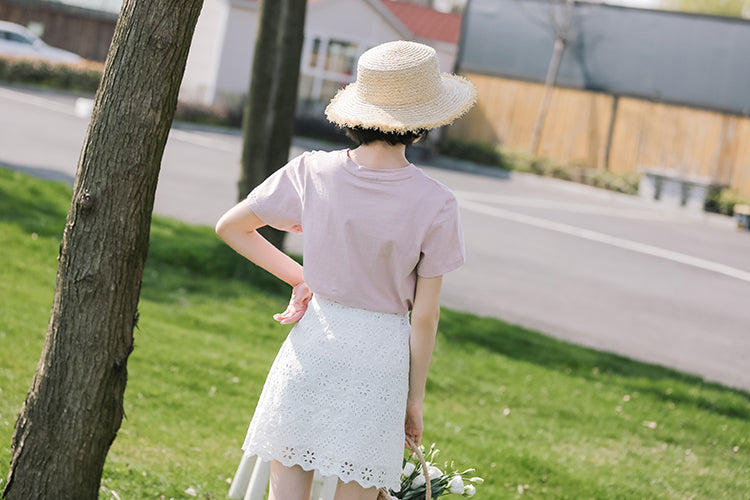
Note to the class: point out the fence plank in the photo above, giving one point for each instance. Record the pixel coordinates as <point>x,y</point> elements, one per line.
<point>689,140</point>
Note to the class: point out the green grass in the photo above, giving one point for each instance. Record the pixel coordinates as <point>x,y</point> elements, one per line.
<point>523,408</point>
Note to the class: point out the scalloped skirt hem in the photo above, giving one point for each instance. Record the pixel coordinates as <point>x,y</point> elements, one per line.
<point>335,397</point>
<point>324,471</point>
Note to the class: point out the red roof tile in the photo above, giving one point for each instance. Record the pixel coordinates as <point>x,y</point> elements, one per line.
<point>425,22</point>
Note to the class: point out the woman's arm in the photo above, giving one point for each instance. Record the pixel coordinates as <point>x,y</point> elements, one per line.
<point>425,315</point>
<point>237,227</point>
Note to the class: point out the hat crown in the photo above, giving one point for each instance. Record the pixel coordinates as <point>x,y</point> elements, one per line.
<point>398,74</point>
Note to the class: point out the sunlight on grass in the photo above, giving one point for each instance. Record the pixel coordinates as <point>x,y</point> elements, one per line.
<point>537,417</point>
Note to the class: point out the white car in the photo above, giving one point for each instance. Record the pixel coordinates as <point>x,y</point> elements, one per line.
<point>17,41</point>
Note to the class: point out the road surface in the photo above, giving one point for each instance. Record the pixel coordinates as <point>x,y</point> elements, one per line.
<point>600,269</point>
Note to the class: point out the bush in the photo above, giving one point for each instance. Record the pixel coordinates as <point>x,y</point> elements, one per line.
<point>723,200</point>
<point>622,183</point>
<point>487,154</point>
<point>209,115</point>
<point>476,152</point>
<point>83,77</point>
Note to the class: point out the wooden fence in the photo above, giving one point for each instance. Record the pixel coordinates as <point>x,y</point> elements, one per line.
<point>87,33</point>
<point>603,131</point>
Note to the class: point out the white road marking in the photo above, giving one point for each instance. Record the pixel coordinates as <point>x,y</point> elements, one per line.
<point>614,241</point>
<point>84,107</point>
<point>581,208</point>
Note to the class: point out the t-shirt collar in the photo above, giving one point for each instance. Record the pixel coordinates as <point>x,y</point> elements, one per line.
<point>382,174</point>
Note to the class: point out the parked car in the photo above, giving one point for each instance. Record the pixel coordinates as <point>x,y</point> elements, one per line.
<point>17,41</point>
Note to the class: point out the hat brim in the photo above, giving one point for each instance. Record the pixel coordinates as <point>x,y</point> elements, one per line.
<point>457,96</point>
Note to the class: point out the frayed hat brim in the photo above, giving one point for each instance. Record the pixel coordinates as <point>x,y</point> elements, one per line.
<point>457,96</point>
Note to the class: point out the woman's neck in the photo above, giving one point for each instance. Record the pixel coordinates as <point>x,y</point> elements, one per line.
<point>380,154</point>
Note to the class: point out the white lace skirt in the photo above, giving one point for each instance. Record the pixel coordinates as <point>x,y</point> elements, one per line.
<point>335,397</point>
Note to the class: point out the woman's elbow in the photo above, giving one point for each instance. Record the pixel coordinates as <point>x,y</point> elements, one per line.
<point>221,228</point>
<point>225,227</point>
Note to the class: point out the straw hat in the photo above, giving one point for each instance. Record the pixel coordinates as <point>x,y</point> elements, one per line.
<point>399,88</point>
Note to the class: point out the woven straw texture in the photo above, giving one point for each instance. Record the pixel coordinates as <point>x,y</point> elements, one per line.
<point>399,88</point>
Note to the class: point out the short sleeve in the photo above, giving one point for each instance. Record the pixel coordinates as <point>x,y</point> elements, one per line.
<point>278,200</point>
<point>443,246</point>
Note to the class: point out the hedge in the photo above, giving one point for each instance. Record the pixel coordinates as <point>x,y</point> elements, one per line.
<point>82,77</point>
<point>487,154</point>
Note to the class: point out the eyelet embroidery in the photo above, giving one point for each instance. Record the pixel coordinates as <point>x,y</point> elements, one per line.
<point>335,397</point>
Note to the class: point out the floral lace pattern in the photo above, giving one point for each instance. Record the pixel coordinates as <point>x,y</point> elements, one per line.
<point>335,397</point>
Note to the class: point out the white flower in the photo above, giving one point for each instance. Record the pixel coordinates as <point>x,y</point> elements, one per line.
<point>434,472</point>
<point>477,480</point>
<point>408,469</point>
<point>456,485</point>
<point>469,490</point>
<point>418,481</point>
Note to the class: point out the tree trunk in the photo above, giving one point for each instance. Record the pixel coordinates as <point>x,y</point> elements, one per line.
<point>75,404</point>
<point>562,33</point>
<point>268,118</point>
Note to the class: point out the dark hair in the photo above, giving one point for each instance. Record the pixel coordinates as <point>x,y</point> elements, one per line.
<point>362,135</point>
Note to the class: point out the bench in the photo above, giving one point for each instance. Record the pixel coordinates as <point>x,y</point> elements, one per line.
<point>673,189</point>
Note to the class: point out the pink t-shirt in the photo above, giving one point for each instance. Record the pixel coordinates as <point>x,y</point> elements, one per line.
<point>368,232</point>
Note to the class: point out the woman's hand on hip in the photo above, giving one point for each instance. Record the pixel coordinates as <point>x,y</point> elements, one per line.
<point>414,426</point>
<point>301,295</point>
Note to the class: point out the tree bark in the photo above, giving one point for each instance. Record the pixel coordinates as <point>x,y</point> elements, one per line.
<point>268,116</point>
<point>562,33</point>
<point>75,404</point>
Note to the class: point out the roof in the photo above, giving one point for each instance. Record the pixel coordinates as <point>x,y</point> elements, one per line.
<point>424,22</point>
<point>699,61</point>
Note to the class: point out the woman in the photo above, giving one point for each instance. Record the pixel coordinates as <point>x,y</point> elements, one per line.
<point>348,383</point>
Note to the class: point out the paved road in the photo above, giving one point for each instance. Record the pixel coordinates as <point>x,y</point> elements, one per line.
<point>593,267</point>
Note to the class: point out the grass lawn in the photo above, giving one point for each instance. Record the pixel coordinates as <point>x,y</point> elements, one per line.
<point>538,418</point>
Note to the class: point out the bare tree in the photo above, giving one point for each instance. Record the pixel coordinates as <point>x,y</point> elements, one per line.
<point>268,117</point>
<point>75,404</point>
<point>562,26</point>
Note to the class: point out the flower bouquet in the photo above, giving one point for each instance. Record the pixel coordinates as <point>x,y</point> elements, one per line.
<point>443,483</point>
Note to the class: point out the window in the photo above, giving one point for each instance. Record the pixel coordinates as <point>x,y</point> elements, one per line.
<point>315,52</point>
<point>15,37</point>
<point>329,65</point>
<point>305,87</point>
<point>341,57</point>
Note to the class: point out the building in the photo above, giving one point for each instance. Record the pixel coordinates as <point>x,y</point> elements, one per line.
<point>336,33</point>
<point>636,88</point>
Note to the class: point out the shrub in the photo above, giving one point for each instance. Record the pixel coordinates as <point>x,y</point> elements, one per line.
<point>209,115</point>
<point>622,183</point>
<point>83,77</point>
<point>476,152</point>
<point>723,200</point>
<point>519,161</point>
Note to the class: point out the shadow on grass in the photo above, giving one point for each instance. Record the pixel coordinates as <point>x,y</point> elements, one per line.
<point>180,255</point>
<point>36,207</point>
<point>190,254</point>
<point>192,259</point>
<point>533,347</point>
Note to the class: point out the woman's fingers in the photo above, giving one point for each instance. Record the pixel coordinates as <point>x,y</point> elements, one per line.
<point>296,316</point>
<point>301,296</point>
